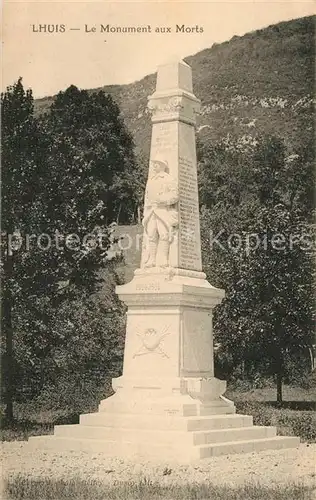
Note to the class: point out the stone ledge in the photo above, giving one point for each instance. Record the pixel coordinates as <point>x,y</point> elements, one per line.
<point>138,451</point>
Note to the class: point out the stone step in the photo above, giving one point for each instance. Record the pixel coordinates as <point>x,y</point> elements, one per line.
<point>248,446</point>
<point>171,438</point>
<point>219,422</point>
<point>159,408</point>
<point>181,453</point>
<point>123,449</point>
<point>166,423</point>
<point>79,431</point>
<point>237,434</point>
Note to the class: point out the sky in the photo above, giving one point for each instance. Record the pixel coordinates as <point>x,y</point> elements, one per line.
<point>50,62</point>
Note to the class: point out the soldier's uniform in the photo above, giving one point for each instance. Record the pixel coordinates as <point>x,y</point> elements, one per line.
<point>160,216</point>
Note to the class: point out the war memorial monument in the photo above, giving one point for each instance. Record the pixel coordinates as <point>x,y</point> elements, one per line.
<point>167,403</point>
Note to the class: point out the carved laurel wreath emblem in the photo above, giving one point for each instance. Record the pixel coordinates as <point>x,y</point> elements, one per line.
<point>151,341</point>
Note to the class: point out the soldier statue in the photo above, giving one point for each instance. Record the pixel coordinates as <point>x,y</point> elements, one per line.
<point>160,214</point>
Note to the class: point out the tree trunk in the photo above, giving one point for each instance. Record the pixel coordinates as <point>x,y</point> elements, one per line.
<point>118,214</point>
<point>243,369</point>
<point>279,387</point>
<point>6,313</point>
<point>279,376</point>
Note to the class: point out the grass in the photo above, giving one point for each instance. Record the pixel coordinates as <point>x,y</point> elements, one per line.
<point>268,394</point>
<point>295,416</point>
<point>22,488</point>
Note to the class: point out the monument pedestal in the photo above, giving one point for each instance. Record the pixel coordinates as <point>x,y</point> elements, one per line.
<point>167,404</point>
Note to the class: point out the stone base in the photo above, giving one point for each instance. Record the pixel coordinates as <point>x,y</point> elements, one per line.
<point>166,428</point>
<point>167,406</point>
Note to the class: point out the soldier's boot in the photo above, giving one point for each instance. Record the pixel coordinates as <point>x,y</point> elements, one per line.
<point>152,250</point>
<point>164,252</point>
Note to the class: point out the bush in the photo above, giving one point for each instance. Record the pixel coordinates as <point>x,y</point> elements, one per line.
<point>55,405</point>
<point>73,395</point>
<point>288,422</point>
<point>302,424</point>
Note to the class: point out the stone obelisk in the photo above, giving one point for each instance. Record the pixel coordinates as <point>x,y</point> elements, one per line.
<point>169,345</point>
<point>167,403</point>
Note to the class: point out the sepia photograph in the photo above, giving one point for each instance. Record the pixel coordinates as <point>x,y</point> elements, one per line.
<point>158,250</point>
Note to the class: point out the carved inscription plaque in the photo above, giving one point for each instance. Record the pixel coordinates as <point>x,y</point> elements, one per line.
<point>190,254</point>
<point>148,287</point>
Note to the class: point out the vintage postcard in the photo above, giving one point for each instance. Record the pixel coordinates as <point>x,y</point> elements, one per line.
<point>157,250</point>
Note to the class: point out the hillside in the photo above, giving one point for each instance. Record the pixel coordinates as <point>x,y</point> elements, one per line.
<point>260,82</point>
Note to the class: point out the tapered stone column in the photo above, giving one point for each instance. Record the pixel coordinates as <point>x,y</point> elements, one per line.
<point>169,344</point>
<point>174,109</point>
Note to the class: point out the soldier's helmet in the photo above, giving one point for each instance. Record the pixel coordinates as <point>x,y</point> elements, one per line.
<point>161,161</point>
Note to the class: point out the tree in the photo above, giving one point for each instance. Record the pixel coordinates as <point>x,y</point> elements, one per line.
<point>262,257</point>
<point>268,310</point>
<point>21,151</point>
<point>57,201</point>
<point>85,342</point>
<point>91,128</point>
